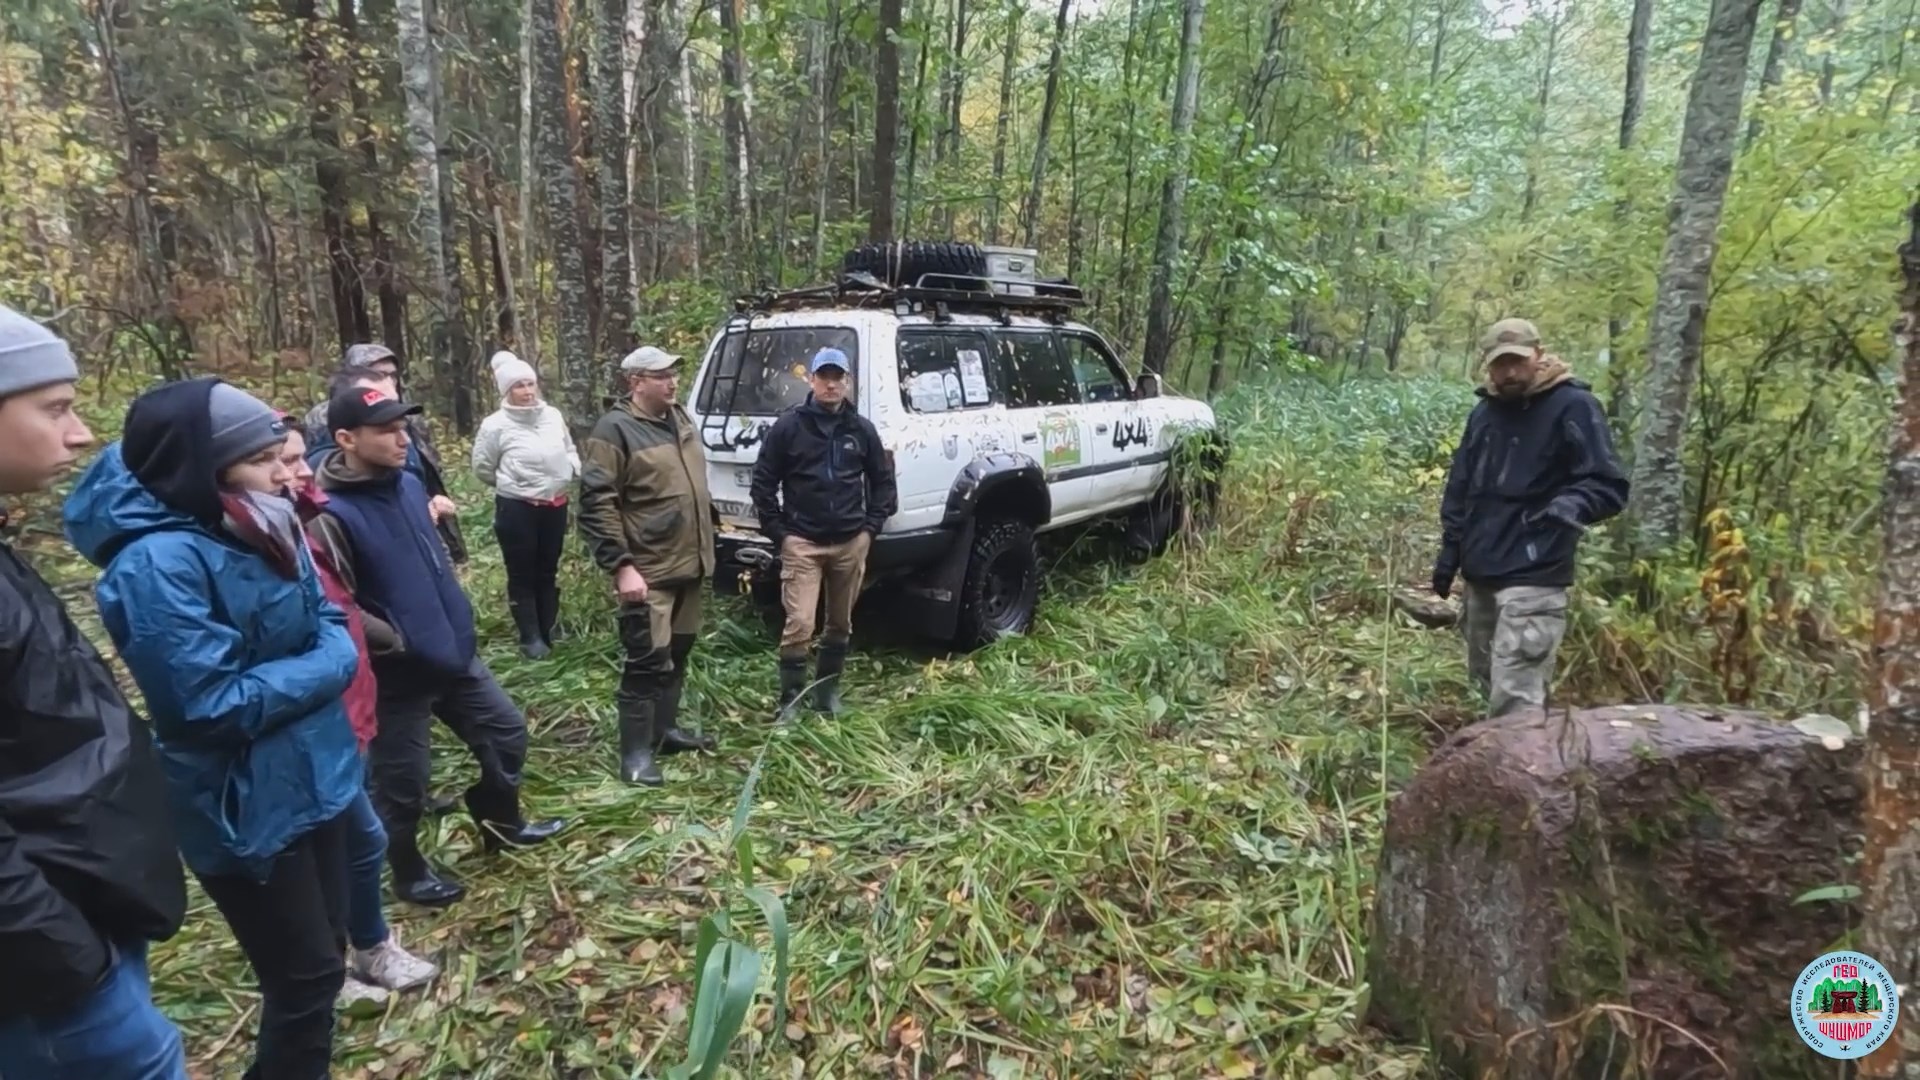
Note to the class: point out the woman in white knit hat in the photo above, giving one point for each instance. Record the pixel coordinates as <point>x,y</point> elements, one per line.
<point>525,453</point>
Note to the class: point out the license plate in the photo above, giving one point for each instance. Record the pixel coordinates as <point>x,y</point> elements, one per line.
<point>732,508</point>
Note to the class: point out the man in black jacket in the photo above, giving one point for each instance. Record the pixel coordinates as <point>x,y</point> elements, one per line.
<point>1534,469</point>
<point>89,872</point>
<point>839,493</point>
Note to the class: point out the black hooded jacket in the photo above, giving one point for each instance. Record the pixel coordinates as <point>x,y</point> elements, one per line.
<point>87,848</point>
<point>1528,476</point>
<point>834,474</point>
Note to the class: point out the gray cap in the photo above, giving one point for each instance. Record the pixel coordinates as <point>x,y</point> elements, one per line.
<point>648,358</point>
<point>31,356</point>
<point>242,425</point>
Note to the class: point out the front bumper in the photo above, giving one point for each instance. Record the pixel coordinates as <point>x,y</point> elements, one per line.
<point>748,563</point>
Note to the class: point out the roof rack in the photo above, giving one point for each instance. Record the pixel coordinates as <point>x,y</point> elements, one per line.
<point>942,294</point>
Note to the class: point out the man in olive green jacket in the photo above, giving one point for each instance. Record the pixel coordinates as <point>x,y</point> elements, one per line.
<point>648,521</point>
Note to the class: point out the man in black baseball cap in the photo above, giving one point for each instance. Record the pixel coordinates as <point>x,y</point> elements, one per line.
<point>375,366</point>
<point>379,534</point>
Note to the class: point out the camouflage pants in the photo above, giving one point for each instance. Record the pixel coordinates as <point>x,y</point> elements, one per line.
<point>1512,635</point>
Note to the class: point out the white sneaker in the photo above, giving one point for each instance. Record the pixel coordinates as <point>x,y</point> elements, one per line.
<point>354,991</point>
<point>389,965</point>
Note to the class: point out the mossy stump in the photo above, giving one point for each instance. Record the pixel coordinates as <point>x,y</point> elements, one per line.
<point>1610,892</point>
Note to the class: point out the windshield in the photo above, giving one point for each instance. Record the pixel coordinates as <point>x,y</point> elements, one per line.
<point>762,372</point>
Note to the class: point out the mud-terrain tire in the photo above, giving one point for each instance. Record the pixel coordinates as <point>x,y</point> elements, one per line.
<point>902,263</point>
<point>1002,587</point>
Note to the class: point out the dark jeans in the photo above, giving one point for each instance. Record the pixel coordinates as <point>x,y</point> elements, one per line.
<point>471,704</point>
<point>531,539</point>
<point>366,858</point>
<point>293,928</point>
<point>116,1034</point>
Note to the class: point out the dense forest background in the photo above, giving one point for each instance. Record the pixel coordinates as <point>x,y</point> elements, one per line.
<point>1244,185</point>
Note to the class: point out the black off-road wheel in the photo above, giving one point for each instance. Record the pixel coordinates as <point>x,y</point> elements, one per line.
<point>1002,586</point>
<point>904,262</point>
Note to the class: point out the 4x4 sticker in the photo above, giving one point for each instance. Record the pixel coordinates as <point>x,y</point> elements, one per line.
<point>1131,433</point>
<point>1060,439</point>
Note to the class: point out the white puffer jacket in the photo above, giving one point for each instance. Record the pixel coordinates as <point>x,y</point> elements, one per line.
<point>526,452</point>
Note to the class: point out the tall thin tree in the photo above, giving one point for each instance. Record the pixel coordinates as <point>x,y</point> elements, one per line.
<point>611,134</point>
<point>1173,193</point>
<point>561,187</point>
<point>886,120</point>
<point>1675,336</point>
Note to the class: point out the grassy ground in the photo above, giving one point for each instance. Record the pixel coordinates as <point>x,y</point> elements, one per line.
<point>1138,842</point>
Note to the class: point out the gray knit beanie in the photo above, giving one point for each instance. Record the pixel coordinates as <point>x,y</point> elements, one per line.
<point>242,425</point>
<point>31,356</point>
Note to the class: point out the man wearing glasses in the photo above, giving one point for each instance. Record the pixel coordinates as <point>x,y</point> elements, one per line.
<point>648,521</point>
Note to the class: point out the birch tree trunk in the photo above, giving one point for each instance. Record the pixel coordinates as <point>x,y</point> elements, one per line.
<point>690,171</point>
<point>1890,874</point>
<point>1707,140</point>
<point>611,134</point>
<point>633,50</point>
<point>1173,194</point>
<point>561,187</point>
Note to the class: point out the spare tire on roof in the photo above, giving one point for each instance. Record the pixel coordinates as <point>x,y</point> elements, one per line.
<point>903,262</point>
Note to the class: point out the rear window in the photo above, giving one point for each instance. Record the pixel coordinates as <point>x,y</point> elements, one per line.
<point>761,372</point>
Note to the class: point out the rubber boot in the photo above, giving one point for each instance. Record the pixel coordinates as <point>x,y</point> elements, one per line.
<point>526,621</point>
<point>413,880</point>
<point>793,679</point>
<point>496,810</point>
<point>826,688</point>
<point>547,603</point>
<point>637,719</point>
<point>675,739</point>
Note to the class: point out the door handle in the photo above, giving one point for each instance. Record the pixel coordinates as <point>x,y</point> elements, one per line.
<point>1031,436</point>
<point>1099,429</point>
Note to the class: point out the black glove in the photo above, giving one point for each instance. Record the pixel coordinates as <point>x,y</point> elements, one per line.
<point>1445,569</point>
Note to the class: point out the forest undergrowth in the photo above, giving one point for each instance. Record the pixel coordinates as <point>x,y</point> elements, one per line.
<point>1138,842</point>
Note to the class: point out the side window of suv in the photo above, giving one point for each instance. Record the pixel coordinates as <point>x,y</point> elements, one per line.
<point>1100,376</point>
<point>1034,371</point>
<point>944,371</point>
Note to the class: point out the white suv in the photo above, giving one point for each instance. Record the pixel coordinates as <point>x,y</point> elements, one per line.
<point>1002,417</point>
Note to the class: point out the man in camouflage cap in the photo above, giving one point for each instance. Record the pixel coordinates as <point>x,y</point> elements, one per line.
<point>1534,469</point>
<point>371,364</point>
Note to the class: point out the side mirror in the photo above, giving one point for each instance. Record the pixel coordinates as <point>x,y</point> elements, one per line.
<point>1147,385</point>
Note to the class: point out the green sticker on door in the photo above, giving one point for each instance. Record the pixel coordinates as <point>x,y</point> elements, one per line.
<point>1060,441</point>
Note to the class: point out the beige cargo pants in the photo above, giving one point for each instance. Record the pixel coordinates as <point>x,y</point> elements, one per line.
<point>1512,635</point>
<point>804,568</point>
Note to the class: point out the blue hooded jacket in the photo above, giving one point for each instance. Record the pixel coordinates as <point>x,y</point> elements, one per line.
<point>243,670</point>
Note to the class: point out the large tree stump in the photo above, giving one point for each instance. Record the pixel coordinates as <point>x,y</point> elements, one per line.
<point>1549,882</point>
